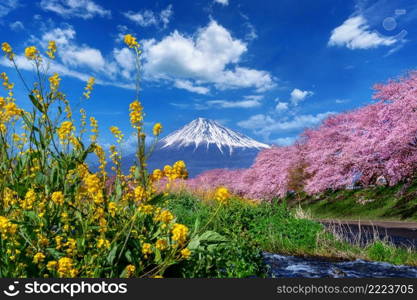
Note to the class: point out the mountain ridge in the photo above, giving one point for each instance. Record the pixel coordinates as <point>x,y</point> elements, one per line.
<point>203,145</point>
<point>206,131</point>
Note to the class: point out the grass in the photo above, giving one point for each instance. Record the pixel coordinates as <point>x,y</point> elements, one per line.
<point>374,203</point>
<point>250,229</point>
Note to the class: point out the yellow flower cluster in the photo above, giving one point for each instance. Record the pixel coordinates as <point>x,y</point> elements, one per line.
<point>89,87</point>
<point>8,51</point>
<point>164,216</point>
<point>38,258</point>
<point>103,244</point>
<point>146,209</point>
<point>6,83</point>
<point>51,49</point>
<point>112,207</point>
<point>65,131</point>
<point>117,133</point>
<point>140,193</point>
<point>27,202</point>
<point>222,195</point>
<point>94,129</point>
<point>177,171</point>
<point>130,270</point>
<point>7,228</point>
<point>146,249</point>
<point>179,233</point>
<point>93,185</point>
<point>32,53</point>
<point>157,128</point>
<point>161,245</point>
<point>130,41</point>
<point>65,268</point>
<point>58,198</point>
<point>136,114</point>
<point>185,253</point>
<point>54,81</point>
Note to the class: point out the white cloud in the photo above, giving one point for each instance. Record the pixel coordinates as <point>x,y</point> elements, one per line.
<point>85,9</point>
<point>211,56</point>
<point>251,35</point>
<point>286,141</point>
<point>256,122</point>
<point>166,15</point>
<point>281,106</point>
<point>189,86</point>
<point>6,6</point>
<point>126,60</point>
<point>82,61</point>
<point>265,125</point>
<point>223,2</point>
<point>354,33</point>
<point>16,26</point>
<point>74,55</point>
<point>298,95</point>
<point>234,104</point>
<point>146,18</point>
<point>341,101</point>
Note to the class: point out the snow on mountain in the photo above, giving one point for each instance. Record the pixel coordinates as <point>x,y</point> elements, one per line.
<point>205,132</point>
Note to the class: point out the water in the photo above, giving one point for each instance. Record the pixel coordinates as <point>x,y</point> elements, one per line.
<point>291,266</point>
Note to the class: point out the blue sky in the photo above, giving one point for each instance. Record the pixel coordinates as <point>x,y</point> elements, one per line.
<point>268,69</point>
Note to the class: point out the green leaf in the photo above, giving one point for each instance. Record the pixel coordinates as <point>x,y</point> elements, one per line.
<point>128,255</point>
<point>112,255</point>
<point>36,103</point>
<point>212,236</point>
<point>55,253</point>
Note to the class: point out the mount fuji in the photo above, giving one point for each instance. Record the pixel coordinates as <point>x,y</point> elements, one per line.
<point>203,145</point>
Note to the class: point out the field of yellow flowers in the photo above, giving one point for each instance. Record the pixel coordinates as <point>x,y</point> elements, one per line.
<point>57,218</point>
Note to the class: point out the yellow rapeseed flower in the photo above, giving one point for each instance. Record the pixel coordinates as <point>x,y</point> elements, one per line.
<point>7,49</point>
<point>7,228</point>
<point>51,49</point>
<point>130,270</point>
<point>179,233</point>
<point>161,245</point>
<point>157,128</point>
<point>130,41</point>
<point>136,114</point>
<point>66,267</point>
<point>31,53</point>
<point>58,198</point>
<point>185,253</point>
<point>103,243</point>
<point>165,216</point>
<point>112,209</point>
<point>65,131</point>
<point>117,133</point>
<point>54,81</point>
<point>89,87</point>
<point>30,198</point>
<point>222,195</point>
<point>51,265</point>
<point>38,257</point>
<point>146,249</point>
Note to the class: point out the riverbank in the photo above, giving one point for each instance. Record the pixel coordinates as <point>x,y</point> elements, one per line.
<point>378,203</point>
<point>242,231</point>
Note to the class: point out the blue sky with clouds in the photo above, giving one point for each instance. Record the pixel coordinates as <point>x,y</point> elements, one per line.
<point>268,69</point>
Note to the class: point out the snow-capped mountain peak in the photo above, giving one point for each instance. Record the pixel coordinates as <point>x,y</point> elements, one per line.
<point>203,131</point>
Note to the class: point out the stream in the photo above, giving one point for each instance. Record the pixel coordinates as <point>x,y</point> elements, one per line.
<point>292,266</point>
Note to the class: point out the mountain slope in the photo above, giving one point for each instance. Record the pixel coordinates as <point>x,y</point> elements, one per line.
<point>205,132</point>
<point>203,145</point>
